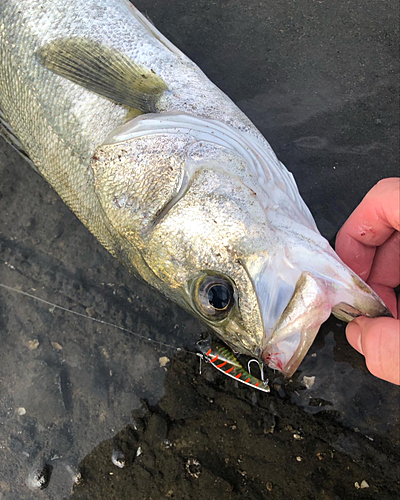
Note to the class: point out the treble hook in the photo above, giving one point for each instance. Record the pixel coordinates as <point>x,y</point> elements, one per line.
<point>200,355</point>
<point>260,366</point>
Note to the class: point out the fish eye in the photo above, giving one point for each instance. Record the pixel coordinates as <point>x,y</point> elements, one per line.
<point>213,297</point>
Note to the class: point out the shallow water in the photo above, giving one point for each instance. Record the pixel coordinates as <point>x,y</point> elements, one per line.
<point>78,399</point>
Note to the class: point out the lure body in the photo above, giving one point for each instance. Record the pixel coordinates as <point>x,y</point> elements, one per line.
<point>223,359</point>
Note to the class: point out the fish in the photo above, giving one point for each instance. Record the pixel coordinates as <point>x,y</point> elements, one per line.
<point>170,175</point>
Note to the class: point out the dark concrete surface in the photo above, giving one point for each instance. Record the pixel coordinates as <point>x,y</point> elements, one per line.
<point>320,80</point>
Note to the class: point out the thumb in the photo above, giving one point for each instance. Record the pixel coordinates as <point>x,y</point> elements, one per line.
<point>378,339</point>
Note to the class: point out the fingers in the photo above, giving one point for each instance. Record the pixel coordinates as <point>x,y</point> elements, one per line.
<point>369,226</point>
<point>388,295</point>
<point>378,339</point>
<point>375,218</point>
<point>354,254</point>
<point>385,271</point>
<point>369,243</point>
<point>386,266</point>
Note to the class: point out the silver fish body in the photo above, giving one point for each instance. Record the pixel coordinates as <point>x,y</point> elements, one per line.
<point>169,175</point>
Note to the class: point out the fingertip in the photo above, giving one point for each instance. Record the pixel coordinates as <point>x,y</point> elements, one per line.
<point>380,341</point>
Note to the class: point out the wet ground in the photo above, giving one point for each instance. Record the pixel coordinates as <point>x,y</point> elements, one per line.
<point>89,411</point>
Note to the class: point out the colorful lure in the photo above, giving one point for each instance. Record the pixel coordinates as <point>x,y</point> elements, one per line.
<point>223,359</point>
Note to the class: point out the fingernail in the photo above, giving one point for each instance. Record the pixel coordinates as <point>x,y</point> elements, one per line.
<point>353,334</point>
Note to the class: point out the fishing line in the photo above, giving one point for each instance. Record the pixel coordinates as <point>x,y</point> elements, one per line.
<point>106,323</point>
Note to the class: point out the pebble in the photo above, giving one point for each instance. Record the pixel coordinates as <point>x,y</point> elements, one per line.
<point>308,381</point>
<point>56,345</point>
<point>363,484</point>
<point>90,312</point>
<point>163,361</point>
<point>76,476</point>
<point>118,458</point>
<point>33,344</point>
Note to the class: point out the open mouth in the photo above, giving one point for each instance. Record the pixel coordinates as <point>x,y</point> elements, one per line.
<point>312,302</point>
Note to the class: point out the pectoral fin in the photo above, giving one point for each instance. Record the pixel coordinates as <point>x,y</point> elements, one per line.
<point>105,71</point>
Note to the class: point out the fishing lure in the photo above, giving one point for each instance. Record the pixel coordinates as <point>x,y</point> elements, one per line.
<point>223,359</point>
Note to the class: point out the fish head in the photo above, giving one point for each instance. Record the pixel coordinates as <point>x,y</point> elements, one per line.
<point>238,248</point>
<point>260,275</point>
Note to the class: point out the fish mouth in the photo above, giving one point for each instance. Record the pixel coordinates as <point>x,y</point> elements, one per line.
<point>314,298</point>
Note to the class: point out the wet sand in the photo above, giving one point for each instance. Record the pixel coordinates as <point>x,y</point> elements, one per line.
<point>321,83</point>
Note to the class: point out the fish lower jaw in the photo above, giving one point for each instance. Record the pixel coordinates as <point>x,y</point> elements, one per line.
<point>298,325</point>
<point>287,354</point>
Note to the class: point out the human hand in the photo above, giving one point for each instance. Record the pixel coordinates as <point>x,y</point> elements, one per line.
<point>369,243</point>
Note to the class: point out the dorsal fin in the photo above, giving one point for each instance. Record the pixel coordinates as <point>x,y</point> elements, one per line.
<point>105,71</point>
